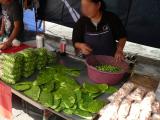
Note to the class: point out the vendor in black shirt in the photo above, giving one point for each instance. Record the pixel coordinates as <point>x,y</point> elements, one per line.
<point>97,31</point>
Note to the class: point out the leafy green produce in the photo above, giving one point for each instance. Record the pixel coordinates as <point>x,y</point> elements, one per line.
<point>108,68</point>
<point>49,86</point>
<point>29,62</point>
<point>68,101</point>
<point>68,111</point>
<point>46,98</point>
<point>95,105</point>
<point>41,58</point>
<point>14,77</point>
<point>66,81</point>
<point>95,95</point>
<point>24,83</point>
<point>56,103</point>
<point>90,88</point>
<point>102,87</point>
<point>61,92</point>
<point>67,96</point>
<point>44,77</point>
<point>8,80</point>
<point>83,114</point>
<point>57,94</point>
<point>33,93</point>
<point>12,64</point>
<point>12,58</point>
<point>52,57</point>
<point>85,100</point>
<point>92,106</point>
<point>78,94</point>
<point>111,89</point>
<point>60,108</point>
<point>21,87</point>
<point>71,72</point>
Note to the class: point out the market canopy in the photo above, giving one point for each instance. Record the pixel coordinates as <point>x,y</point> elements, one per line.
<point>141,18</point>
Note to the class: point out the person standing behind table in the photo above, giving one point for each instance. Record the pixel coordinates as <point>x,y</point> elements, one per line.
<point>12,23</point>
<point>97,30</point>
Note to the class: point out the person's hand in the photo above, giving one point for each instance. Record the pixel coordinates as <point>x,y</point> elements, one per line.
<point>84,48</point>
<point>119,56</point>
<point>5,45</point>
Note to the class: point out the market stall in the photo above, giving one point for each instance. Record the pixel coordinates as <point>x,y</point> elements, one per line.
<point>19,87</point>
<point>77,89</point>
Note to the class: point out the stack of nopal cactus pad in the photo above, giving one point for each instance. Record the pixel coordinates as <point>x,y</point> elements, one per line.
<point>12,67</point>
<point>24,63</point>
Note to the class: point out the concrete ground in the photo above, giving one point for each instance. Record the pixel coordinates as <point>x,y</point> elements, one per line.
<point>143,66</point>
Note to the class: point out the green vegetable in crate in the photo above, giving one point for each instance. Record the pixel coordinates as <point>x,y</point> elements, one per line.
<point>12,58</point>
<point>68,111</point>
<point>95,95</point>
<point>95,106</point>
<point>52,57</point>
<point>44,77</point>
<point>12,64</point>
<point>33,93</point>
<point>91,105</point>
<point>29,62</point>
<point>90,88</point>
<point>46,98</point>
<point>78,94</point>
<point>8,80</point>
<point>22,87</point>
<point>60,108</point>
<point>68,100</point>
<point>25,83</point>
<point>41,58</point>
<point>85,100</point>
<point>57,94</point>
<point>83,114</point>
<point>72,72</point>
<point>108,68</point>
<point>66,95</point>
<point>13,78</point>
<point>102,87</point>
<point>49,86</point>
<point>87,103</point>
<point>95,88</point>
<point>56,103</point>
<point>111,90</point>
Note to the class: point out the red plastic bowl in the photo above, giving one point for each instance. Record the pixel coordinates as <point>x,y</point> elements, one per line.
<point>105,77</point>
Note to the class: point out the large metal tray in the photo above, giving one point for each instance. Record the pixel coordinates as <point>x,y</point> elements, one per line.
<point>69,61</point>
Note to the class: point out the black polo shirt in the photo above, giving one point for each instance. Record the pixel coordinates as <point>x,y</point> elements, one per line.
<point>85,25</point>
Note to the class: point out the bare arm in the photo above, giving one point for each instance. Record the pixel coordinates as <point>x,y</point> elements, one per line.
<point>15,32</point>
<point>121,44</point>
<point>119,56</point>
<point>2,27</point>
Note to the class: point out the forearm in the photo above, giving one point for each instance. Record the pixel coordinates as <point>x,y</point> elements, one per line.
<point>121,44</point>
<point>15,32</point>
<point>77,45</point>
<point>2,26</point>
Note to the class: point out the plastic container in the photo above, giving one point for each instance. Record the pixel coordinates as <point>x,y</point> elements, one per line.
<point>105,77</point>
<point>40,40</point>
